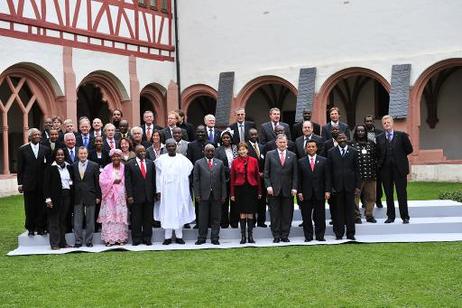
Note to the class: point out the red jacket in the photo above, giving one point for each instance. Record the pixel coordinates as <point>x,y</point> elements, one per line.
<point>238,173</point>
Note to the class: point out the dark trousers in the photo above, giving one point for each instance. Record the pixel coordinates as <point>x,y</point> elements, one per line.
<point>229,213</point>
<point>141,214</point>
<point>332,205</point>
<point>344,213</point>
<point>210,210</point>
<point>378,190</point>
<point>391,176</point>
<point>261,207</point>
<point>57,220</point>
<point>35,211</point>
<point>313,210</point>
<point>281,213</point>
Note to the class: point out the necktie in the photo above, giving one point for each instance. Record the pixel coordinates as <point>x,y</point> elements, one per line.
<point>81,170</point>
<point>343,152</point>
<point>148,133</point>
<point>241,132</point>
<point>52,146</point>
<point>112,144</point>
<point>143,169</point>
<point>72,155</point>
<point>85,141</point>
<point>211,135</point>
<point>312,163</point>
<point>210,164</point>
<point>257,150</point>
<point>282,158</point>
<point>304,143</point>
<point>389,136</point>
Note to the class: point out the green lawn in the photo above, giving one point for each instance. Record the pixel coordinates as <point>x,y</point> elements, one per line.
<point>426,274</point>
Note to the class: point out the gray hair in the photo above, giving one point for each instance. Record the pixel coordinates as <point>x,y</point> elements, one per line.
<point>32,131</point>
<point>68,136</point>
<point>107,126</point>
<point>209,146</point>
<point>281,136</point>
<point>209,116</point>
<point>136,128</point>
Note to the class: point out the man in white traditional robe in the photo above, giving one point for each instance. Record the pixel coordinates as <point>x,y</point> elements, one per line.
<point>172,180</point>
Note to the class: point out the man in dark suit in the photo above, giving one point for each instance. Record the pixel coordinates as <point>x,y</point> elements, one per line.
<point>47,126</point>
<point>332,142</point>
<point>267,130</point>
<point>140,185</point>
<point>70,148</point>
<point>271,145</point>
<point>32,161</point>
<point>281,184</point>
<point>241,127</point>
<point>84,138</point>
<point>210,193</point>
<point>97,128</point>
<point>110,142</point>
<point>346,180</point>
<point>123,131</point>
<point>334,114</point>
<point>297,128</point>
<point>313,189</point>
<point>372,133</point>
<point>52,142</point>
<point>167,132</point>
<point>213,134</point>
<point>195,149</point>
<point>149,126</point>
<point>393,147</point>
<point>256,151</point>
<point>87,194</point>
<point>307,135</point>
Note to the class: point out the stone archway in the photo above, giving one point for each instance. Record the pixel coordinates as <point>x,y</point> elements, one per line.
<point>424,100</point>
<point>27,95</point>
<point>197,101</point>
<point>259,95</point>
<point>153,97</point>
<point>352,81</point>
<point>98,94</point>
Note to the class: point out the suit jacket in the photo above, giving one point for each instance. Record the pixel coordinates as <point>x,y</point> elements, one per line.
<point>220,153</point>
<point>182,147</point>
<point>281,178</point>
<point>118,135</point>
<point>47,143</point>
<point>52,187</point>
<point>299,145</point>
<point>165,134</point>
<point>103,161</point>
<point>107,147</point>
<point>402,147</point>
<point>31,169</point>
<point>68,156</point>
<point>216,137</point>
<point>245,170</point>
<point>86,190</point>
<point>189,129</point>
<point>247,126</point>
<point>267,133</point>
<point>195,150</point>
<point>326,130</point>
<point>260,159</point>
<point>313,184</point>
<point>206,180</point>
<point>150,154</point>
<point>154,127</point>
<point>344,170</point>
<point>329,144</point>
<point>271,145</point>
<point>139,188</point>
<point>297,129</point>
<point>91,141</point>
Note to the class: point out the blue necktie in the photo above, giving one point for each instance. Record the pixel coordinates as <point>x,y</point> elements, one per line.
<point>211,135</point>
<point>85,141</point>
<point>389,136</point>
<point>72,155</point>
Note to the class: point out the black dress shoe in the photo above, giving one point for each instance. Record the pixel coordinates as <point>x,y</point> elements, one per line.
<point>215,242</point>
<point>199,242</point>
<point>234,226</point>
<point>308,239</point>
<point>389,221</point>
<point>285,240</point>
<point>405,221</point>
<point>301,225</point>
<point>180,241</point>
<point>320,239</point>
<point>224,226</point>
<point>41,232</point>
<point>55,247</point>
<point>196,226</point>
<point>262,225</point>
<point>358,221</point>
<point>379,205</point>
<point>339,237</point>
<point>90,245</point>
<point>351,237</point>
<point>167,241</point>
<point>187,226</point>
<point>156,224</point>
<point>276,240</point>
<point>371,220</point>
<point>148,243</point>
<point>331,222</point>
<point>31,233</point>
<point>77,245</point>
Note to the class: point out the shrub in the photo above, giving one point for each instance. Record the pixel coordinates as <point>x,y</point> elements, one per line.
<point>452,195</point>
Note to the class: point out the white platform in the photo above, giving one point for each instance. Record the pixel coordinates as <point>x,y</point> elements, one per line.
<point>431,221</point>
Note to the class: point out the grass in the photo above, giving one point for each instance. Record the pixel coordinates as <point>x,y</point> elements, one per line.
<point>424,274</point>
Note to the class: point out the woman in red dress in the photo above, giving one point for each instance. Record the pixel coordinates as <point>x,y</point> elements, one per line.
<point>245,189</point>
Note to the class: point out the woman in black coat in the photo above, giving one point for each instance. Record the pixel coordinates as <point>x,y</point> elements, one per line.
<point>57,189</point>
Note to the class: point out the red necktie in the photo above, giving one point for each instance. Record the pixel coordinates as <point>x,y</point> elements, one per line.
<point>112,144</point>
<point>143,169</point>
<point>148,133</point>
<point>312,163</point>
<point>282,158</point>
<point>210,164</point>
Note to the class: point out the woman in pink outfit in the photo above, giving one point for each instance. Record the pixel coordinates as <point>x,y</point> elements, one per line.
<point>114,213</point>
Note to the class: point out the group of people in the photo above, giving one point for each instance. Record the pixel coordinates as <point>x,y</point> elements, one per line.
<point>121,179</point>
